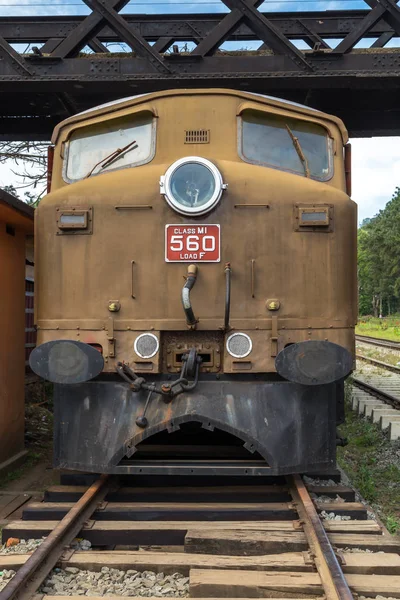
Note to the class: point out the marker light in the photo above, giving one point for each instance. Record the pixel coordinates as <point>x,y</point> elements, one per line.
<point>239,345</point>
<point>146,345</point>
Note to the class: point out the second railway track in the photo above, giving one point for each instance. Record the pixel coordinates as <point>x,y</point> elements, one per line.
<point>238,537</point>
<point>365,339</point>
<point>376,391</point>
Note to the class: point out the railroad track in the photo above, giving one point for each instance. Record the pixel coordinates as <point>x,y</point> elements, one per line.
<point>239,537</point>
<point>378,396</point>
<point>378,363</point>
<point>378,342</point>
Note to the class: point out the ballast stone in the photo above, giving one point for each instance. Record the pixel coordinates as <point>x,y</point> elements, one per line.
<point>111,581</point>
<point>333,517</point>
<point>23,546</point>
<point>5,577</point>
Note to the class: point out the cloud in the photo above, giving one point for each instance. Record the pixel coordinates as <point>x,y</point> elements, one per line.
<point>376,173</point>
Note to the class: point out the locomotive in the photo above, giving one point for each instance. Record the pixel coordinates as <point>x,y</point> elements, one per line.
<point>196,285</point>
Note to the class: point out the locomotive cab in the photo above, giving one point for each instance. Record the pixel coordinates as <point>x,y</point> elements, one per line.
<point>196,284</point>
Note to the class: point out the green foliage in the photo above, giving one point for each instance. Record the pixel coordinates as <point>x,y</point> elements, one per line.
<point>371,463</point>
<point>365,482</point>
<point>379,261</point>
<point>387,328</point>
<point>393,524</point>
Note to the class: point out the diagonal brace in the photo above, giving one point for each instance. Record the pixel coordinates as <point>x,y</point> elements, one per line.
<point>392,16</point>
<point>372,18</point>
<point>85,31</point>
<point>134,40</point>
<point>268,33</point>
<point>13,58</point>
<point>220,32</point>
<point>312,38</point>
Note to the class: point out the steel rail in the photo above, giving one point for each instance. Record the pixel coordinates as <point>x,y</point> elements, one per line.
<point>332,577</point>
<point>378,342</point>
<point>32,574</point>
<point>378,363</point>
<point>395,402</point>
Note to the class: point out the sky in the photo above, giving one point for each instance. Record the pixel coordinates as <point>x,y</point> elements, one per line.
<point>376,161</point>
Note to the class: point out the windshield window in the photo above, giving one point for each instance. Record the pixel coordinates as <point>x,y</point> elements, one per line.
<point>91,148</point>
<point>268,139</point>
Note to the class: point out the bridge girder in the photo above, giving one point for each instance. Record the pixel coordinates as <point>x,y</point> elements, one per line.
<point>47,84</point>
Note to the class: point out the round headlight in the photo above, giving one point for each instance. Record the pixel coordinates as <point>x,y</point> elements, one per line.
<point>192,185</point>
<point>239,345</point>
<point>146,345</point>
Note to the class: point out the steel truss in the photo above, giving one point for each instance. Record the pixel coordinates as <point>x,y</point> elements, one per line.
<point>58,79</point>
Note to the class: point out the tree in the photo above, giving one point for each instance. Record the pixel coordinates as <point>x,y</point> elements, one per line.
<point>30,162</point>
<point>379,260</point>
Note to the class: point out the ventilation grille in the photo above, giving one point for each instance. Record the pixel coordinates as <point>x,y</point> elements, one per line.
<point>197,136</point>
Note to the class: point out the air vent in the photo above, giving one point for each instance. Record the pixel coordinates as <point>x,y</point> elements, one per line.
<point>197,136</point>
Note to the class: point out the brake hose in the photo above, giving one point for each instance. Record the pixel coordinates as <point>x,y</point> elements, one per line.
<point>187,306</point>
<point>228,272</point>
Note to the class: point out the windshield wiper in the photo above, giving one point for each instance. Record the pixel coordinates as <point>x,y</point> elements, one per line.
<point>299,151</point>
<point>110,158</point>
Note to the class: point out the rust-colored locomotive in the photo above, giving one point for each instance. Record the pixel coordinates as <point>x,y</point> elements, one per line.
<point>196,285</point>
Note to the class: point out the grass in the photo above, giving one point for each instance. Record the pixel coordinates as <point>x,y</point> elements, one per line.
<point>386,329</point>
<point>372,465</point>
<point>393,524</point>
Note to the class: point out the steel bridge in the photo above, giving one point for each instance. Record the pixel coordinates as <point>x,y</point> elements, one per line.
<point>55,77</point>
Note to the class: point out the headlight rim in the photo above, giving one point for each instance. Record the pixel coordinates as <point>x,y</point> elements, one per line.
<point>165,187</point>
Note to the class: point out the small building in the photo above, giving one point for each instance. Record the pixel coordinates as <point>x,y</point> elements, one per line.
<point>16,226</point>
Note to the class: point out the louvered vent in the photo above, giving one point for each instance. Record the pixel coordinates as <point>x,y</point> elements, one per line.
<point>197,136</point>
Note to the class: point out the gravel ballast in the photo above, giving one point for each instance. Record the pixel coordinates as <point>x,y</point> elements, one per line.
<point>5,577</point>
<point>73,581</point>
<point>25,546</point>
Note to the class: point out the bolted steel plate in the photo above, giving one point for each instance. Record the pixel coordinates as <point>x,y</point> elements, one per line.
<point>314,362</point>
<point>66,361</point>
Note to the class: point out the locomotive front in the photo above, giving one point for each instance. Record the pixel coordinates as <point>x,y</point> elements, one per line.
<point>196,284</point>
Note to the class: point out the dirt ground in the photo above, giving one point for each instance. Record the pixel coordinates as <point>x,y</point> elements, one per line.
<point>36,473</point>
<point>31,477</point>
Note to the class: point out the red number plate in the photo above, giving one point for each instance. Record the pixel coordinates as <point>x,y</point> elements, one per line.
<point>192,243</point>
